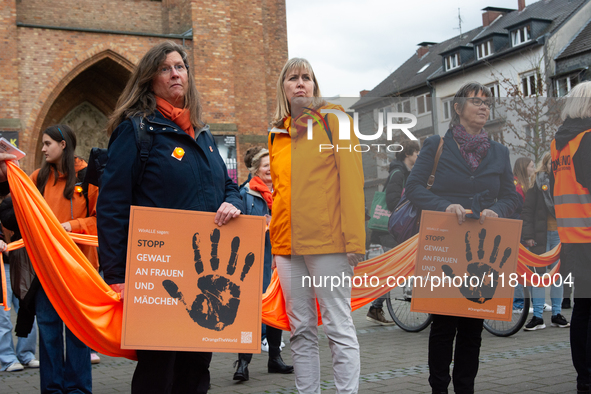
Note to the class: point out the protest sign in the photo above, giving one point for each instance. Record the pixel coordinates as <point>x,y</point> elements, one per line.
<point>466,270</point>
<point>191,285</point>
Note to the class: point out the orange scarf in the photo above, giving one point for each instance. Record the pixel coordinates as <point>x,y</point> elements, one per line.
<point>180,116</point>
<point>257,184</point>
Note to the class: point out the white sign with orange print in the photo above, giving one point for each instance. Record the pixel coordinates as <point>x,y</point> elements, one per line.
<point>191,285</point>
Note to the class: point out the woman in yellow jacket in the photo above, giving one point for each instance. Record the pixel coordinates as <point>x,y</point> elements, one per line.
<point>317,230</point>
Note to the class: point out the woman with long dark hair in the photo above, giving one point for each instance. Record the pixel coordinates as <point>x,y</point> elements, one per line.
<point>57,181</point>
<point>162,92</point>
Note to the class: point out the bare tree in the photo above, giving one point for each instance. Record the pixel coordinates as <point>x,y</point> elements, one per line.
<point>530,117</point>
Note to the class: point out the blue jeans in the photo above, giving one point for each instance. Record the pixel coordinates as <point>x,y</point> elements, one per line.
<point>538,294</point>
<point>25,347</point>
<point>58,375</point>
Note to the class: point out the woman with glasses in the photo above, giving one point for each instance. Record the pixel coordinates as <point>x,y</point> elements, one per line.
<point>474,172</point>
<point>183,170</point>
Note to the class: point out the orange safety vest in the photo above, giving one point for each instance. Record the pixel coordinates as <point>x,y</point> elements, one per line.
<point>572,201</point>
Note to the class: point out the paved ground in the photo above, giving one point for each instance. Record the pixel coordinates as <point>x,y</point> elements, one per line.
<point>392,360</point>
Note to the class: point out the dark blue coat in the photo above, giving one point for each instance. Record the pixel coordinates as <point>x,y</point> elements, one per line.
<point>198,182</point>
<point>455,183</point>
<point>254,204</point>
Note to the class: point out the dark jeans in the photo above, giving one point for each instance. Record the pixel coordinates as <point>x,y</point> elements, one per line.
<point>467,333</point>
<point>274,341</point>
<point>580,326</point>
<point>163,372</point>
<point>58,375</point>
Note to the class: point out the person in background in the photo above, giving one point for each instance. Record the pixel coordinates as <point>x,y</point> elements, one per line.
<point>523,171</point>
<point>398,174</point>
<point>317,227</point>
<point>56,181</point>
<point>24,356</point>
<point>162,90</point>
<point>571,165</point>
<point>474,172</point>
<point>540,234</point>
<point>257,196</point>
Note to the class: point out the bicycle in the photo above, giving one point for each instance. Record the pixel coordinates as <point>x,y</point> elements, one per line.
<point>399,299</point>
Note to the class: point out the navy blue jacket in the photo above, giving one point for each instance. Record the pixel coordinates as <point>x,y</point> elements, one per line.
<point>255,205</point>
<point>455,183</point>
<point>198,182</point>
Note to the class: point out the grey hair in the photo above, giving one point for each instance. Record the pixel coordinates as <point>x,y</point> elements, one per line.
<point>255,162</point>
<point>460,99</point>
<point>578,102</point>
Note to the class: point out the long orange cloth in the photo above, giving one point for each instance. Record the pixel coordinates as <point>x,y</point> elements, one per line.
<point>93,312</point>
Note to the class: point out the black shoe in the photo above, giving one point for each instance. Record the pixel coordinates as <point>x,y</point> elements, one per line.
<point>242,370</point>
<point>583,388</point>
<point>535,323</point>
<point>276,365</point>
<point>566,303</point>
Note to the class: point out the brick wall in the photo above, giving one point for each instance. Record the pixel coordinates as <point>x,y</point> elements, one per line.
<point>121,15</point>
<point>9,103</point>
<point>237,52</point>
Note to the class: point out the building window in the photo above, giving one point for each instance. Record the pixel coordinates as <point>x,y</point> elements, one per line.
<point>227,146</point>
<point>452,61</point>
<point>565,84</point>
<point>403,106</point>
<point>424,68</point>
<point>529,84</point>
<point>424,104</point>
<point>447,109</point>
<point>521,35</point>
<point>496,99</point>
<point>484,50</point>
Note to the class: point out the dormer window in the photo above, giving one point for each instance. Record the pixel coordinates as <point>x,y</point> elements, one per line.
<point>521,35</point>
<point>484,49</point>
<point>452,61</point>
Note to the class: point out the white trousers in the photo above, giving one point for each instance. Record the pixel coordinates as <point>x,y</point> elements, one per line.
<point>335,308</point>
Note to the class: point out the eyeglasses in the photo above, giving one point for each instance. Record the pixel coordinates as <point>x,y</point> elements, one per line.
<point>180,68</point>
<point>479,102</point>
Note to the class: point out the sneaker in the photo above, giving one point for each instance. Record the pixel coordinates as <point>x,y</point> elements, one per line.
<point>94,358</point>
<point>566,303</point>
<point>559,321</point>
<point>265,345</point>
<point>34,363</point>
<point>535,324</point>
<point>282,344</point>
<point>517,311</point>
<point>14,367</point>
<point>376,315</point>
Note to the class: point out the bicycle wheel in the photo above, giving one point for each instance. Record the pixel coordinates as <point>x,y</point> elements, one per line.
<point>508,328</point>
<point>398,302</point>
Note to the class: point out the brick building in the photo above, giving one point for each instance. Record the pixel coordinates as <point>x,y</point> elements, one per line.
<point>64,61</point>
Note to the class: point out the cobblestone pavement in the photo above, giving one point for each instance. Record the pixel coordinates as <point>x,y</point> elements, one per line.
<point>392,360</point>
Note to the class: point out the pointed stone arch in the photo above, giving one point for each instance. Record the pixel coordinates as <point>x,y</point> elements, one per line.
<point>97,78</point>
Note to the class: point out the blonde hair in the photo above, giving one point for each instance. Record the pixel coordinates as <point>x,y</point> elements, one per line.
<point>520,172</point>
<point>543,164</point>
<point>139,99</point>
<point>282,109</point>
<point>578,102</point>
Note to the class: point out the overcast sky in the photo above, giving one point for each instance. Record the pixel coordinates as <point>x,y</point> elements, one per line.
<point>354,45</point>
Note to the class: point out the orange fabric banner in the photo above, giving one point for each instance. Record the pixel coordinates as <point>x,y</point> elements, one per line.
<point>90,309</point>
<point>93,312</point>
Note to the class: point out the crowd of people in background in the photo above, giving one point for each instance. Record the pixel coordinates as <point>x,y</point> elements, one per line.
<point>314,205</point>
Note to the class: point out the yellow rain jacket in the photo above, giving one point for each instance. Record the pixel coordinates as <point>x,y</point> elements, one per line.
<point>318,200</point>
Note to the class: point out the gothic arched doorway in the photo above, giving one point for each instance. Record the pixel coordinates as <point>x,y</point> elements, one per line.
<point>85,104</point>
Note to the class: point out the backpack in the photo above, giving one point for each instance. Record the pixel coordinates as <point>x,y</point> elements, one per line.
<point>97,161</point>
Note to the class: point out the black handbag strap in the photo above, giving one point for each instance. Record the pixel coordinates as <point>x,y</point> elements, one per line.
<point>431,180</point>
